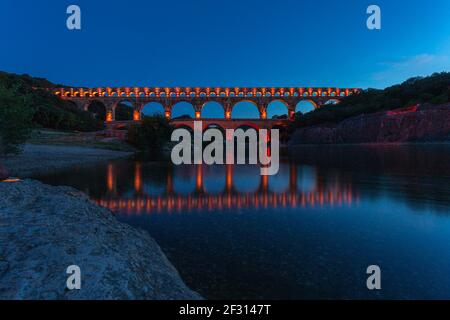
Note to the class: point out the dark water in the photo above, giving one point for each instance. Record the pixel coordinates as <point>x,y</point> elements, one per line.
<point>309,232</point>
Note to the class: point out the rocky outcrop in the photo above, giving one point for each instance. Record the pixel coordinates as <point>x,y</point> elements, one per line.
<point>45,229</point>
<point>421,123</point>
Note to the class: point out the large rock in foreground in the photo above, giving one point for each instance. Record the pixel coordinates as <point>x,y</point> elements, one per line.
<point>45,229</point>
<point>422,123</point>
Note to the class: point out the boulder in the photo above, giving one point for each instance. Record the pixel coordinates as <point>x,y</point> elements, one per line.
<point>46,229</point>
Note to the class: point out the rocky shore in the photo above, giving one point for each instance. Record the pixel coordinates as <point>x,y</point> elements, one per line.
<point>45,229</point>
<point>422,123</point>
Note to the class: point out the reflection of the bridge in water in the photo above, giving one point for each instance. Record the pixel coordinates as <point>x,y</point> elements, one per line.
<point>199,199</point>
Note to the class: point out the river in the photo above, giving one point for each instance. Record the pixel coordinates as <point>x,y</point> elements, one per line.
<point>308,232</point>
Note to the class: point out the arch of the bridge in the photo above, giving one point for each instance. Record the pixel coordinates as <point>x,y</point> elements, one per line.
<point>207,105</point>
<point>276,103</point>
<point>198,97</point>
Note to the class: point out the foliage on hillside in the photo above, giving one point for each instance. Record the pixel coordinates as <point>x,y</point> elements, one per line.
<point>434,89</point>
<point>49,111</point>
<point>16,114</point>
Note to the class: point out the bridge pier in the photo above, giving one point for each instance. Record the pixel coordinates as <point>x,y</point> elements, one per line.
<point>110,115</point>
<point>227,108</point>
<point>136,115</point>
<point>167,110</point>
<point>110,111</point>
<point>198,106</point>
<point>291,112</point>
<point>263,113</point>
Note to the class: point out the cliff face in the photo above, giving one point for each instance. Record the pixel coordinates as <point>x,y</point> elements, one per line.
<point>45,229</point>
<point>414,124</point>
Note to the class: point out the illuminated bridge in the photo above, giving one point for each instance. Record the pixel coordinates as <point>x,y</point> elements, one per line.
<point>229,198</point>
<point>261,97</point>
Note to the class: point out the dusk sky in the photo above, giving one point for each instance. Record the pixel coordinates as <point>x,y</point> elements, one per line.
<point>225,43</point>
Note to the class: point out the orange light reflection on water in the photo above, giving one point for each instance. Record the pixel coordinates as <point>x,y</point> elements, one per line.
<point>335,194</point>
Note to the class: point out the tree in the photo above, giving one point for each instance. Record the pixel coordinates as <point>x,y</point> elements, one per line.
<point>151,135</point>
<point>16,114</point>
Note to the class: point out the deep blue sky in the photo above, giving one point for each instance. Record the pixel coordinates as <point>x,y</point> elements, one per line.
<point>225,43</point>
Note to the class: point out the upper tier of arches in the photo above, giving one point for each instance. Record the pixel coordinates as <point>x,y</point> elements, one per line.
<point>207,92</point>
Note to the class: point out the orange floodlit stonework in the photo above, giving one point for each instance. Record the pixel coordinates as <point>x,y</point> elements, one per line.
<point>204,92</point>
<point>198,97</point>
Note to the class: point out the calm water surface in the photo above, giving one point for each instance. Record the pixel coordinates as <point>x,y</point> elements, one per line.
<point>308,232</point>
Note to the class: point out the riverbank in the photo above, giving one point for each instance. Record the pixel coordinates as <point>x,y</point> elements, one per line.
<point>45,229</point>
<point>41,158</point>
<point>103,139</point>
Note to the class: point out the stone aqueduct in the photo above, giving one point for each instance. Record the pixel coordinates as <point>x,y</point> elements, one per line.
<point>198,97</point>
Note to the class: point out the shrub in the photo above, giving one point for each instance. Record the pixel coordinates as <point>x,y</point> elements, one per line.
<point>151,135</point>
